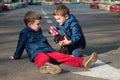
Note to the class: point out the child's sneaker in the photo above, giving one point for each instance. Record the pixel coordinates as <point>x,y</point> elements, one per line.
<point>90,60</point>
<point>44,69</point>
<point>50,68</point>
<point>54,69</point>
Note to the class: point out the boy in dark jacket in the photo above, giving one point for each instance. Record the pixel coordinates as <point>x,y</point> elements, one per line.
<point>40,52</point>
<point>66,22</point>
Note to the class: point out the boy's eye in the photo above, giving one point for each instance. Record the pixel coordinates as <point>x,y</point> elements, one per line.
<point>38,24</point>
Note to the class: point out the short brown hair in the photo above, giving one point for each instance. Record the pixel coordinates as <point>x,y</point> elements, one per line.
<point>61,10</point>
<point>31,16</point>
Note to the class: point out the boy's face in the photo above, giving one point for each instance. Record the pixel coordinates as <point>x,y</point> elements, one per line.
<point>35,25</point>
<point>60,19</point>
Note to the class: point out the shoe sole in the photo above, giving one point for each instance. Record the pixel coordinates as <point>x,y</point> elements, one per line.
<point>92,59</point>
<point>53,69</point>
<point>44,69</point>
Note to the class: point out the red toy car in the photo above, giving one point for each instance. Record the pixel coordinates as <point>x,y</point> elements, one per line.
<point>115,8</point>
<point>95,5</point>
<point>53,31</point>
<point>57,34</point>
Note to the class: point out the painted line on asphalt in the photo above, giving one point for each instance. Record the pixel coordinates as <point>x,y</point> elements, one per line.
<point>49,21</point>
<point>46,16</point>
<point>102,70</point>
<point>44,13</point>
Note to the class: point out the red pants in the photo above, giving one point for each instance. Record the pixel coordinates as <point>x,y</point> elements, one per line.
<point>42,58</point>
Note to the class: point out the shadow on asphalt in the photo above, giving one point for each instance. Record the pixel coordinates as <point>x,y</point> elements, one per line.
<point>100,49</point>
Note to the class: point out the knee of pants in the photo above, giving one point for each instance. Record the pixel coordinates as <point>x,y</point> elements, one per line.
<point>41,59</point>
<point>77,52</point>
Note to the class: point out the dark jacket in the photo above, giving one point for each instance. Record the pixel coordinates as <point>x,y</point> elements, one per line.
<point>73,31</point>
<point>33,41</point>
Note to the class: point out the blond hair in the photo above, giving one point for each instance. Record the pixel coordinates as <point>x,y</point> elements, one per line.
<point>61,10</point>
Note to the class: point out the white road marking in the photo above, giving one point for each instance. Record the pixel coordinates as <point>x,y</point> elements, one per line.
<point>49,21</point>
<point>44,13</point>
<point>102,70</point>
<point>46,16</point>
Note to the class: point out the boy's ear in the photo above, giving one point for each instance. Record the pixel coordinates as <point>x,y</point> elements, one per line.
<point>29,24</point>
<point>66,16</point>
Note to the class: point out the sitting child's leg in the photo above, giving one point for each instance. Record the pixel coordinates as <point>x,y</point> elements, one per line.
<point>66,59</point>
<point>86,62</point>
<point>90,60</point>
<point>42,60</point>
<point>50,68</point>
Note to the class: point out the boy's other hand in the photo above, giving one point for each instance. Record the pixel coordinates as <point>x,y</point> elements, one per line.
<point>65,42</point>
<point>11,58</point>
<point>60,43</point>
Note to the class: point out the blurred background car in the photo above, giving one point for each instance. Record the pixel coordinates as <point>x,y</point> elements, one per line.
<point>35,3</point>
<point>115,8</point>
<point>95,4</point>
<point>0,7</point>
<point>58,2</point>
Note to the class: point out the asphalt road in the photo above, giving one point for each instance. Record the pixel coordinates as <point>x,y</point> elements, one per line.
<point>102,32</point>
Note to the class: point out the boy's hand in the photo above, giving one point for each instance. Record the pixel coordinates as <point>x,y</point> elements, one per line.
<point>11,58</point>
<point>60,43</point>
<point>64,42</point>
